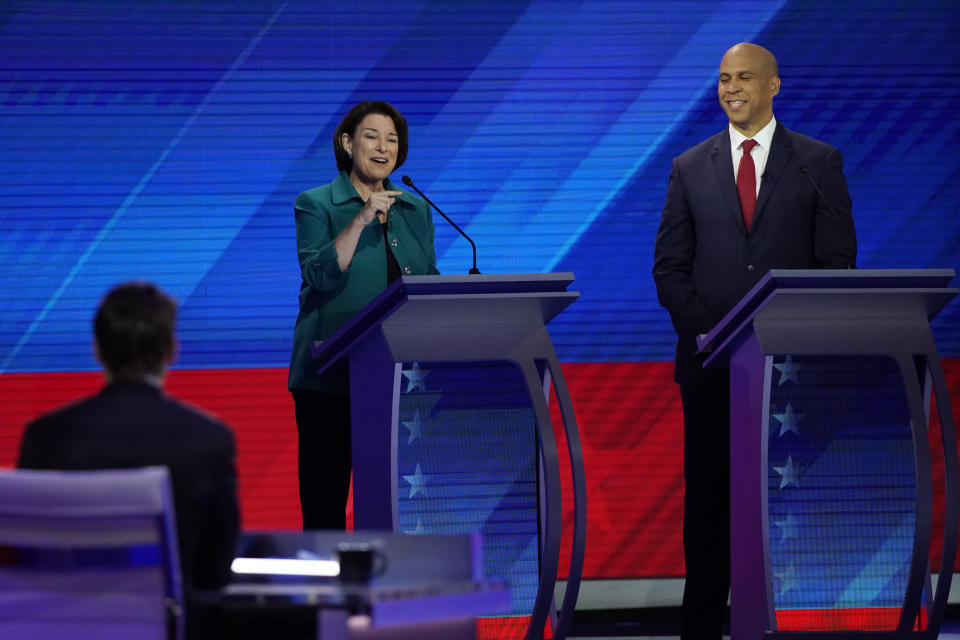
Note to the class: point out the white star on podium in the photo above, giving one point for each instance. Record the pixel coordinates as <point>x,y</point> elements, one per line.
<point>418,482</point>
<point>788,371</point>
<point>415,427</point>
<point>787,578</point>
<point>788,474</point>
<point>788,527</point>
<point>415,378</point>
<point>788,420</point>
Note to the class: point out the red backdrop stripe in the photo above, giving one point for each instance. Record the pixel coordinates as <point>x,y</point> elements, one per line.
<point>628,415</point>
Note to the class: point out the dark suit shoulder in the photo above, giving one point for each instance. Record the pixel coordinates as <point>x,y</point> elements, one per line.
<point>191,412</point>
<point>707,147</point>
<point>803,144</point>
<point>810,150</point>
<point>46,437</point>
<point>192,422</point>
<point>801,141</point>
<point>116,423</point>
<point>63,414</point>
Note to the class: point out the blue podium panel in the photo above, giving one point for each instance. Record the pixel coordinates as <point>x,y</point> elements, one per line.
<point>831,377</point>
<point>841,488</point>
<point>466,463</point>
<point>467,361</point>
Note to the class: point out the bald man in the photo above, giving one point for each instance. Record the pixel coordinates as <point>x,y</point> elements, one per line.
<point>728,220</point>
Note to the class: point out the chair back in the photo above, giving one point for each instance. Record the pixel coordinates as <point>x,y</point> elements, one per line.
<point>89,554</point>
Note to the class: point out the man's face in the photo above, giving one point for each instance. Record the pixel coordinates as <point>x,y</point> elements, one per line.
<point>746,89</point>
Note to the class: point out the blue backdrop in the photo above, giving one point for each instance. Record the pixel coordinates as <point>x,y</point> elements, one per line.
<point>168,139</point>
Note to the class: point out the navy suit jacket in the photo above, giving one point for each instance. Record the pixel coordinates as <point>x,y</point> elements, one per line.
<point>134,424</point>
<point>704,259</point>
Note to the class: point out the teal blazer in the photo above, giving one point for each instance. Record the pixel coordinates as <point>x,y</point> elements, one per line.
<point>329,296</point>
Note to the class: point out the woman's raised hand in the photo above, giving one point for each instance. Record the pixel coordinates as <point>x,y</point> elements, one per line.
<point>377,204</point>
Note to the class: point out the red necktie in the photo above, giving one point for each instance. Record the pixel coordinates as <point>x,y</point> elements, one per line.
<point>747,183</point>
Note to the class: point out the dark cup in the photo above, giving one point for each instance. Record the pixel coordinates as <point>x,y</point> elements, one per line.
<point>360,562</point>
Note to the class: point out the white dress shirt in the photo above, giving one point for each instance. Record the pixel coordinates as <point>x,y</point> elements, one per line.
<point>759,154</point>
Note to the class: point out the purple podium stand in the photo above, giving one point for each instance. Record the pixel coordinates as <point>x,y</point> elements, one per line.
<point>461,320</point>
<point>831,374</point>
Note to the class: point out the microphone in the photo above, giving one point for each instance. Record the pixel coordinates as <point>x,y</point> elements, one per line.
<point>407,181</point>
<point>806,172</point>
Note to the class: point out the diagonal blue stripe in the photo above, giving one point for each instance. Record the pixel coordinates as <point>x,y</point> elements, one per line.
<point>640,124</point>
<point>118,215</point>
<point>566,87</point>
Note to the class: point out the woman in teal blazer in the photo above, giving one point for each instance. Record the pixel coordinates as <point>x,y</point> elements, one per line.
<point>355,236</point>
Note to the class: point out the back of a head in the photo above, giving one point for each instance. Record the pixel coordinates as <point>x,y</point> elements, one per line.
<point>134,330</point>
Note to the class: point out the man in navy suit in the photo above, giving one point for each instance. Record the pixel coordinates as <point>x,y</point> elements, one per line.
<point>722,228</point>
<point>131,422</point>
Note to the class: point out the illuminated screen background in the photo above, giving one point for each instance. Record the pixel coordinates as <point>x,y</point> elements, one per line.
<point>168,140</point>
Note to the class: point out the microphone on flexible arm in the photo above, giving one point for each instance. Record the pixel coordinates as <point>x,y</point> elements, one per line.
<point>806,171</point>
<point>407,181</point>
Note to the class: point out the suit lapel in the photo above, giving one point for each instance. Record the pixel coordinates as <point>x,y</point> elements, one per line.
<point>720,155</point>
<point>780,152</point>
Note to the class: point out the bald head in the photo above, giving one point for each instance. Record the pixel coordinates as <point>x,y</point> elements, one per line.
<point>749,79</point>
<point>763,60</point>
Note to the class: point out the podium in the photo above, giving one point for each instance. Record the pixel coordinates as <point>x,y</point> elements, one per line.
<point>831,374</point>
<point>465,364</point>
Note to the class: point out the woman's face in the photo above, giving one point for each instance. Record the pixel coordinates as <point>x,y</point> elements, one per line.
<point>374,146</point>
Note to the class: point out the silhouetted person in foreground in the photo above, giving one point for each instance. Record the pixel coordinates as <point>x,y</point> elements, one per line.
<point>131,422</point>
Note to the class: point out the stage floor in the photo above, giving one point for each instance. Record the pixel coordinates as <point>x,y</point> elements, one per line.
<point>950,631</point>
<point>650,609</point>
